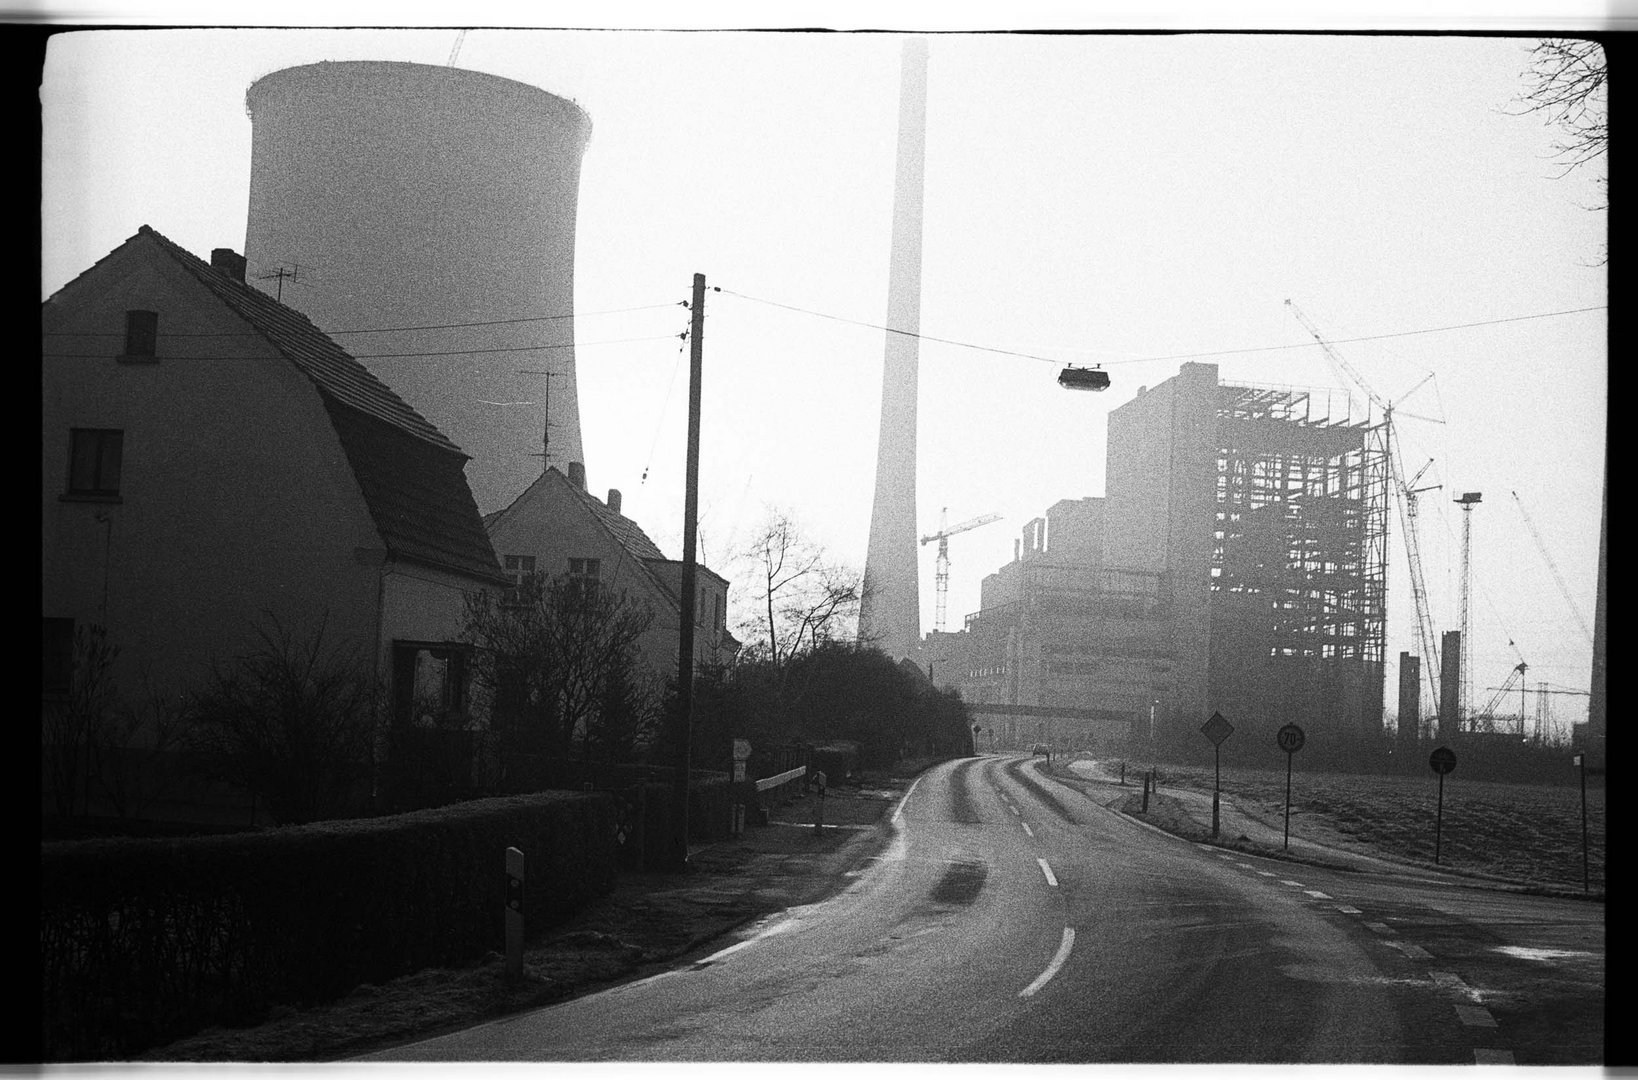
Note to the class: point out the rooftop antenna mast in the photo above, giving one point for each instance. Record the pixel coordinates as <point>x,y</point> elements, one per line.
<point>294,274</point>
<point>546,423</point>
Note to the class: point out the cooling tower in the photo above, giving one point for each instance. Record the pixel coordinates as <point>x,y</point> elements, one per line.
<point>890,614</point>
<point>426,200</point>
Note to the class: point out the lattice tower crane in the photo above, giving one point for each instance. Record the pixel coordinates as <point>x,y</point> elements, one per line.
<point>1419,590</point>
<point>1515,676</point>
<point>942,578</point>
<point>1405,490</point>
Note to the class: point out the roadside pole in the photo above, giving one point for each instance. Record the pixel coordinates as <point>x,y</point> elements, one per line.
<point>690,577</point>
<point>1580,761</point>
<point>1290,739</point>
<point>1442,760</point>
<point>1216,729</point>
<point>514,913</point>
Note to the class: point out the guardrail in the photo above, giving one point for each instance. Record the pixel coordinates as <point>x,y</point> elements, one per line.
<point>768,783</point>
<point>778,789</point>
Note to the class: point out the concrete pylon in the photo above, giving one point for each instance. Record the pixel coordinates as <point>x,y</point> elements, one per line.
<point>890,613</point>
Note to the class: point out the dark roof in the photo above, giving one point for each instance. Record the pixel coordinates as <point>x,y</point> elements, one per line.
<point>417,494</point>
<point>413,478</point>
<point>337,375</point>
<point>626,531</point>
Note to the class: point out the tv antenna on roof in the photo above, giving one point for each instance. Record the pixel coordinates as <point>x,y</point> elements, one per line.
<point>546,425</point>
<point>294,274</point>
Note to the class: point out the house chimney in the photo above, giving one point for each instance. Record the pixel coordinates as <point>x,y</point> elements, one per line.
<point>614,499</point>
<point>229,262</point>
<point>577,474</point>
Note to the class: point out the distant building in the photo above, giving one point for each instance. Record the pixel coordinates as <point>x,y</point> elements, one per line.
<point>557,528</point>
<point>1063,650</point>
<point>211,462</point>
<point>1236,564</point>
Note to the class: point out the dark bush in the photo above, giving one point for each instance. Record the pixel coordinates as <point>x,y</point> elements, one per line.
<point>143,941</point>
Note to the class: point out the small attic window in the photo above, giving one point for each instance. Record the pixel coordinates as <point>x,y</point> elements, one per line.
<point>141,334</point>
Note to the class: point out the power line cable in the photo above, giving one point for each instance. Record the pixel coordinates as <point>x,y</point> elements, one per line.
<point>1150,359</point>
<point>407,355</point>
<point>380,329</point>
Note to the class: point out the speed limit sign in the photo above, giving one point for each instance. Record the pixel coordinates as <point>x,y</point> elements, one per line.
<point>1290,738</point>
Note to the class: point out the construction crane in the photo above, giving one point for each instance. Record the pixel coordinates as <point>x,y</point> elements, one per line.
<point>1419,590</point>
<point>942,579</point>
<point>1541,546</point>
<point>1514,676</point>
<point>1406,490</point>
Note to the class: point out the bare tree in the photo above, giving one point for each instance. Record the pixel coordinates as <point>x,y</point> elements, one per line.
<point>802,594</point>
<point>71,722</point>
<point>558,657</point>
<point>292,721</point>
<point>1566,83</point>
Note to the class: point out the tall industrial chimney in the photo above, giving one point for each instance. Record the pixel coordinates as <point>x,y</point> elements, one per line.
<point>890,614</point>
<point>404,195</point>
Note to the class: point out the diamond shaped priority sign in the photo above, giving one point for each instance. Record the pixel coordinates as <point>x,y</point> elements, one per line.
<point>1217,729</point>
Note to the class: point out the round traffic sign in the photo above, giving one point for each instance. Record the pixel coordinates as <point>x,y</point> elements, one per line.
<point>1290,738</point>
<point>1442,760</point>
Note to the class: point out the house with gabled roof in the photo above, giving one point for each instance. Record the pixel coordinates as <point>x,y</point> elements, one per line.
<point>212,462</point>
<point>557,528</point>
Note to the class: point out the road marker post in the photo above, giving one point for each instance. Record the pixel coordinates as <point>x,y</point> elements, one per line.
<point>1290,739</point>
<point>514,913</point>
<point>819,807</point>
<point>1442,760</point>
<point>1148,780</point>
<point>1216,729</point>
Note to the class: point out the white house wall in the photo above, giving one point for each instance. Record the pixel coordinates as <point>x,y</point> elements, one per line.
<point>236,501</point>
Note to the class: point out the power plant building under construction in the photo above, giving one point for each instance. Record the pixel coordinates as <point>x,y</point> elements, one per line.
<point>1237,563</point>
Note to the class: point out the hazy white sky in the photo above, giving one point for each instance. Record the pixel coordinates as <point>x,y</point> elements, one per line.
<point>1126,199</point>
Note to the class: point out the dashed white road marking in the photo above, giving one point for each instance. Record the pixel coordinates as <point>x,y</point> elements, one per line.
<point>1247,866</point>
<point>1265,873</point>
<point>1293,884</point>
<point>1205,847</point>
<point>1317,895</point>
<point>1346,910</point>
<point>1482,1056</point>
<point>1381,928</point>
<point>1027,830</point>
<point>1475,1016</point>
<point>1058,958</point>
<point>1415,952</point>
<point>1047,870</point>
<point>1014,809</point>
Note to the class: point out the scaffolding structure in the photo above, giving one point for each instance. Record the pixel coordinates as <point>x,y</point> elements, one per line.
<point>1299,559</point>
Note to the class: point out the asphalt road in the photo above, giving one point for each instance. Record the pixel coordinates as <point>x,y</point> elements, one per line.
<point>1013,919</point>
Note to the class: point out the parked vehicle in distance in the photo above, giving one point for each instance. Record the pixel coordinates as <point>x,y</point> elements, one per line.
<point>1043,748</point>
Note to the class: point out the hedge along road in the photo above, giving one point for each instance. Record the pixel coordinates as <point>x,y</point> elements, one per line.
<point>1011,919</point>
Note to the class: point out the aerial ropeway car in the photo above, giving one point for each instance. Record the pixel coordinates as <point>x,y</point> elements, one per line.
<point>1082,378</point>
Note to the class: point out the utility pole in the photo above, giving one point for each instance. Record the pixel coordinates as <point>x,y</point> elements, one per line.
<point>690,577</point>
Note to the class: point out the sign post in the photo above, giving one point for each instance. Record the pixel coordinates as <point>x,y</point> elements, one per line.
<point>742,751</point>
<point>1442,760</point>
<point>819,808</point>
<point>1580,762</point>
<point>1290,739</point>
<point>514,913</point>
<point>1216,729</point>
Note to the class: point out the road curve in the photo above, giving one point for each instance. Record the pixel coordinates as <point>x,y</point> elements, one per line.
<point>1012,919</point>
